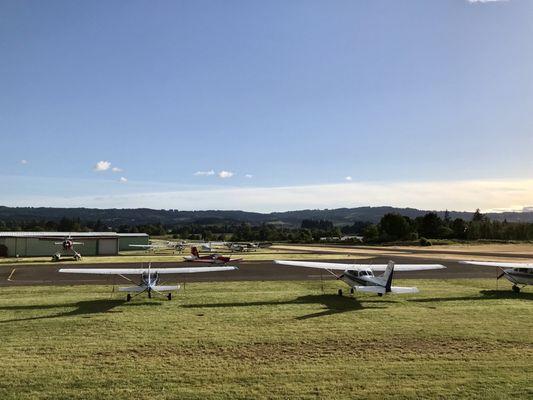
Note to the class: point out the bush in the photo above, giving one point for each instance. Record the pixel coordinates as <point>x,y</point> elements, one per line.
<point>424,242</point>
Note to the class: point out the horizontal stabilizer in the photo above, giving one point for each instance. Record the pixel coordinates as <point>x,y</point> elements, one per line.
<point>165,288</point>
<point>133,289</point>
<point>370,289</point>
<point>400,289</point>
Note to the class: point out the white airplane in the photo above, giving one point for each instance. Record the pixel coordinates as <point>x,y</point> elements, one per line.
<point>361,277</point>
<point>239,247</point>
<point>176,246</point>
<point>516,273</point>
<point>150,277</point>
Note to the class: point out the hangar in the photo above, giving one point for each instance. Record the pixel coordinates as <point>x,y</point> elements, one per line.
<point>30,244</point>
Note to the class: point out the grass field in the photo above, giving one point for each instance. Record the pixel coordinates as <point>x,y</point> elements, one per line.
<point>267,340</point>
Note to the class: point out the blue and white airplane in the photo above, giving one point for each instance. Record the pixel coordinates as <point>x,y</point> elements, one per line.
<point>150,277</point>
<point>361,277</point>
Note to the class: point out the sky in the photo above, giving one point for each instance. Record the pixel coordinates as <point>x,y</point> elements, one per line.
<point>267,105</point>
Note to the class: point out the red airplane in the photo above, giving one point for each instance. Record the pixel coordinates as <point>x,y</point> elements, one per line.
<point>209,259</point>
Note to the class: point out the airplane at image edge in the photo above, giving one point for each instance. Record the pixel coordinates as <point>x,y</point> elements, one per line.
<point>516,273</point>
<point>361,277</point>
<point>150,277</point>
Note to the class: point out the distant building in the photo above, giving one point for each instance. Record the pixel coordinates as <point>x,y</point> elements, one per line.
<point>31,244</point>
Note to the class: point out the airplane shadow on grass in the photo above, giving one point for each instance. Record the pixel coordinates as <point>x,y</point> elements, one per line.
<point>484,295</point>
<point>333,304</point>
<point>83,308</point>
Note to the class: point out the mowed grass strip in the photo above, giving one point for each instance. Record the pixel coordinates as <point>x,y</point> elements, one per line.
<point>271,340</point>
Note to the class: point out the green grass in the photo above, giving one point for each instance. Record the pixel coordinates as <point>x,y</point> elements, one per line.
<point>267,340</point>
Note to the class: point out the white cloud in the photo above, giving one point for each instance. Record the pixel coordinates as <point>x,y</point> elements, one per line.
<point>225,174</point>
<point>102,166</point>
<point>249,176</point>
<point>24,162</point>
<point>348,178</point>
<point>468,195</point>
<point>116,169</point>
<point>123,179</point>
<point>204,173</point>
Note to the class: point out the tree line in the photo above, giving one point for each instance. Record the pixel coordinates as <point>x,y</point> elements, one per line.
<point>395,227</point>
<point>392,227</point>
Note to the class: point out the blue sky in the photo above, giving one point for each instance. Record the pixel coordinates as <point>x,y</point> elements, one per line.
<point>298,94</point>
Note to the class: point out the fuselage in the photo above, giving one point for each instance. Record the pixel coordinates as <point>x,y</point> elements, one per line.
<point>361,278</point>
<point>520,276</point>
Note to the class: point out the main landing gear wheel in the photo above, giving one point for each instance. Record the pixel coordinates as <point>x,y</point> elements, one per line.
<point>128,297</point>
<point>340,292</point>
<point>169,296</point>
<point>352,291</point>
<point>516,289</point>
<point>380,294</point>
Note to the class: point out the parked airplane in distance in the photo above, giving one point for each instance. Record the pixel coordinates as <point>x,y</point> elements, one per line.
<point>519,274</point>
<point>209,259</point>
<point>150,277</point>
<point>67,245</point>
<point>176,246</point>
<point>361,277</point>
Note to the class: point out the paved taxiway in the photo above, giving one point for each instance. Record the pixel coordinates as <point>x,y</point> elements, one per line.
<point>16,275</point>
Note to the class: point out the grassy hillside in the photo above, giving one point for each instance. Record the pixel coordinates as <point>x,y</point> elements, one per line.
<point>274,340</point>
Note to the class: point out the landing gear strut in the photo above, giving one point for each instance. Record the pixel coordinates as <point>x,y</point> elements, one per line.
<point>169,296</point>
<point>149,294</point>
<point>516,289</point>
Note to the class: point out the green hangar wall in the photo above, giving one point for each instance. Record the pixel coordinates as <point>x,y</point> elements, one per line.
<point>35,244</point>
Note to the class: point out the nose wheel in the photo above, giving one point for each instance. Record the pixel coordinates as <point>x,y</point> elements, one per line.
<point>128,297</point>
<point>340,292</point>
<point>516,289</point>
<point>169,296</point>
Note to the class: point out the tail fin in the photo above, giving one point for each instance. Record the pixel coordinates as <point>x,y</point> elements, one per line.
<point>387,276</point>
<point>194,252</point>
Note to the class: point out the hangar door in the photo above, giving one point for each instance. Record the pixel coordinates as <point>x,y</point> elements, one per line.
<point>107,247</point>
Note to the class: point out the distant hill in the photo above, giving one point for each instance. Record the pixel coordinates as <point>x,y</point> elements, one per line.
<point>138,216</point>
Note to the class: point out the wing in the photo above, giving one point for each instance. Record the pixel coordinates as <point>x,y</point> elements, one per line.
<point>498,264</point>
<point>359,267</point>
<point>140,271</point>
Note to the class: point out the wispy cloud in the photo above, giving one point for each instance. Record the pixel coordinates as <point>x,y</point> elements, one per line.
<point>123,179</point>
<point>454,195</point>
<point>116,169</point>
<point>348,178</point>
<point>102,166</point>
<point>24,162</point>
<point>205,173</point>
<point>248,176</point>
<point>225,174</point>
